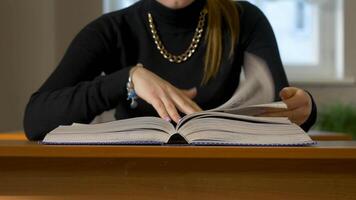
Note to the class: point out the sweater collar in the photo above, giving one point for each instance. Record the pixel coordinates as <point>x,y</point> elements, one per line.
<point>184,18</point>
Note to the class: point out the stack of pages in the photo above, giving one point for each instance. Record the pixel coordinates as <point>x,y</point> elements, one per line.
<point>218,127</point>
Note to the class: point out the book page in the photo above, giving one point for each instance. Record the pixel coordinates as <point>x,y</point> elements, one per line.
<point>212,130</point>
<point>135,130</point>
<point>190,119</point>
<point>256,110</point>
<point>136,136</point>
<point>119,125</point>
<point>257,88</point>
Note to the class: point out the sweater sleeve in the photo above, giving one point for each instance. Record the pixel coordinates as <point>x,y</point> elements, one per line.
<point>76,92</point>
<point>261,41</point>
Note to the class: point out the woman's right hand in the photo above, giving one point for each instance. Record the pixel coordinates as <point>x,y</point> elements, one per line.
<point>164,97</point>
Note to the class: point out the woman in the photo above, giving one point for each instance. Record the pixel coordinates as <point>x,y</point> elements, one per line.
<point>214,36</point>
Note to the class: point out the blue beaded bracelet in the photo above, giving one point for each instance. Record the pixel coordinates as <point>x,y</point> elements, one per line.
<point>131,93</point>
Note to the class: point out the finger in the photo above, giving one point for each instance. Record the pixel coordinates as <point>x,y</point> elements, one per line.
<point>171,108</point>
<point>158,105</point>
<point>191,93</point>
<point>301,115</point>
<point>183,103</point>
<point>288,92</point>
<point>190,101</point>
<point>297,101</point>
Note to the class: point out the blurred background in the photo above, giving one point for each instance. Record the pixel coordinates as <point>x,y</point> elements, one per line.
<point>316,39</point>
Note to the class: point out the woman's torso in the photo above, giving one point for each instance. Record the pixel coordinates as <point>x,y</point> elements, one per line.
<point>131,42</point>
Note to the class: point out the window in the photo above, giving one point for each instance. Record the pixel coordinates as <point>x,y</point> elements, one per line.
<point>309,35</point>
<point>111,5</point>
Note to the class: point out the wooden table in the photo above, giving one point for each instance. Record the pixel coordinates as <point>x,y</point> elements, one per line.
<point>19,135</point>
<point>30,171</point>
<point>329,136</point>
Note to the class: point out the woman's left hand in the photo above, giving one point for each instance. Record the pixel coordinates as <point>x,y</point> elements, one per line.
<point>299,105</point>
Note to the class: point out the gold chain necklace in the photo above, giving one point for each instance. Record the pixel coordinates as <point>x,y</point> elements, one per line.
<point>191,49</point>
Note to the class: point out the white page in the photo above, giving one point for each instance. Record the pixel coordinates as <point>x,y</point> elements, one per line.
<point>119,125</point>
<point>136,136</point>
<point>257,88</point>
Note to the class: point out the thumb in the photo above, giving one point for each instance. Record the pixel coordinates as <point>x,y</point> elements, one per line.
<point>287,93</point>
<point>191,93</point>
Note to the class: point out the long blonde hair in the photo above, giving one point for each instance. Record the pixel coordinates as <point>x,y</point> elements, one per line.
<point>220,12</point>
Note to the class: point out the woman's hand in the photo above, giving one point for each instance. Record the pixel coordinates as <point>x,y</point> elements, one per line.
<point>164,97</point>
<point>299,105</point>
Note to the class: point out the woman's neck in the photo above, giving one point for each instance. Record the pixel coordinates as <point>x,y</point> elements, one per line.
<point>175,4</point>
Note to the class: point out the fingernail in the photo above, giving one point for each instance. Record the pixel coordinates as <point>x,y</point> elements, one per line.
<point>167,119</point>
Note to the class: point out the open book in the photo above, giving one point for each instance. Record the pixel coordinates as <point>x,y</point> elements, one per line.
<point>223,127</point>
<point>234,123</point>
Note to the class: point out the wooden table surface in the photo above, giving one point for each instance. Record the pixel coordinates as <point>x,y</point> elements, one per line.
<point>329,136</point>
<point>29,170</point>
<point>322,150</point>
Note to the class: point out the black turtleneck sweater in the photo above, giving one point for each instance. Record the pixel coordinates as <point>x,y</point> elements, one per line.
<point>77,92</point>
